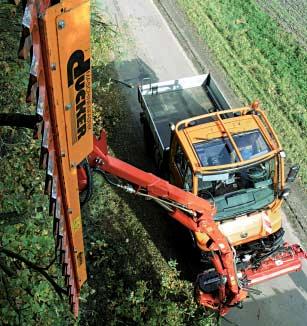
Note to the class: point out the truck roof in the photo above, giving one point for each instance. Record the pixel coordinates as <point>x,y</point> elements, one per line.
<point>243,135</point>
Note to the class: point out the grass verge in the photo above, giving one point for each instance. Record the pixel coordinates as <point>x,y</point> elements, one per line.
<point>262,62</point>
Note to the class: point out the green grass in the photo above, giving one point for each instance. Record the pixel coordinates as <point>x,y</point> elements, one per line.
<point>290,15</point>
<point>262,62</point>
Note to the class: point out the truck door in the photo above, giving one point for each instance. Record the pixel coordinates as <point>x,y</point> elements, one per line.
<point>180,170</point>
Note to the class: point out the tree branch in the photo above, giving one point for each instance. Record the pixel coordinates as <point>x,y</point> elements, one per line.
<point>104,25</point>
<point>19,120</point>
<point>42,270</point>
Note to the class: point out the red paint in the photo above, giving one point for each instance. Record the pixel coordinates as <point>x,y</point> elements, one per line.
<point>229,294</point>
<point>283,263</point>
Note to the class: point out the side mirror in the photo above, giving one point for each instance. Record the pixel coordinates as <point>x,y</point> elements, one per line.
<point>293,173</point>
<point>285,193</point>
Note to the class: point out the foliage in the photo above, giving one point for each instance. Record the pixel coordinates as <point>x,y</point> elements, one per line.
<point>25,228</point>
<point>172,305</point>
<point>262,62</point>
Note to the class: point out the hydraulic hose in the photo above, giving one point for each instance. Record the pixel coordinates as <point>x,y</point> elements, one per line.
<point>89,189</point>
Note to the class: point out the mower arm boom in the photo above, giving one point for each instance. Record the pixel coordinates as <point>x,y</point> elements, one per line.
<point>191,211</point>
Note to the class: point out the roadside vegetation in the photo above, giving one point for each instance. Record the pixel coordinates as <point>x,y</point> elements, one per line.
<point>262,61</point>
<point>26,297</point>
<point>129,281</point>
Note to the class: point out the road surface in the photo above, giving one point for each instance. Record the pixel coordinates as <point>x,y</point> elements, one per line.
<point>151,50</point>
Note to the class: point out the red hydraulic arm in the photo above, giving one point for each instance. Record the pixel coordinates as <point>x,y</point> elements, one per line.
<point>196,214</point>
<point>193,212</point>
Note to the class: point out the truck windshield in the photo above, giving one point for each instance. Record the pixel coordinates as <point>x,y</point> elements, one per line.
<point>239,191</point>
<point>220,151</point>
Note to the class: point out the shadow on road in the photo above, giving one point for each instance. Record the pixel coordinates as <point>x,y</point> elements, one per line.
<point>271,310</point>
<point>126,141</point>
<point>300,280</point>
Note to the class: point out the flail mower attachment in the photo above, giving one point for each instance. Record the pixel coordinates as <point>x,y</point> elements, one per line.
<point>287,260</point>
<point>56,39</point>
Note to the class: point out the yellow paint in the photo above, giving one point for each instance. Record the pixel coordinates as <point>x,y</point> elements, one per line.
<point>76,224</point>
<point>188,136</point>
<point>60,44</point>
<point>234,228</point>
<point>243,229</point>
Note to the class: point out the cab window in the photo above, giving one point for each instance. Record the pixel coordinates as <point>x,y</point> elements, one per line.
<point>184,169</point>
<point>180,161</point>
<point>188,180</point>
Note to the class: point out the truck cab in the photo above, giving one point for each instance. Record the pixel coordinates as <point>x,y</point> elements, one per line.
<point>231,157</point>
<point>234,160</point>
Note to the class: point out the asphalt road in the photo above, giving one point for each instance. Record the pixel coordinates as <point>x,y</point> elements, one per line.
<point>151,50</point>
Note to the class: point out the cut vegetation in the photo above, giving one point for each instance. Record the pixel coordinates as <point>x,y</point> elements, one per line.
<point>262,62</point>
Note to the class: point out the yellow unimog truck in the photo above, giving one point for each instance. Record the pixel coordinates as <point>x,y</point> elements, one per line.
<point>231,157</point>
